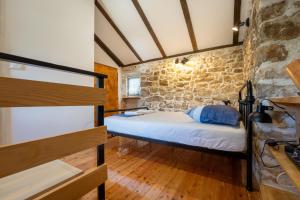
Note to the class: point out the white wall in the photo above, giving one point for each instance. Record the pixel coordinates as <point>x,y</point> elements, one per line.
<point>57,31</point>
<point>102,58</point>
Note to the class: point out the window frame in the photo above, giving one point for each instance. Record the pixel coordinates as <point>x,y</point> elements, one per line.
<point>127,87</point>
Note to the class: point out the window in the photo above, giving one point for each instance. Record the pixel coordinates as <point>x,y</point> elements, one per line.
<point>133,86</point>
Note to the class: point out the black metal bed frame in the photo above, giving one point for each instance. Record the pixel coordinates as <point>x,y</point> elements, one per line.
<point>100,84</point>
<point>245,108</point>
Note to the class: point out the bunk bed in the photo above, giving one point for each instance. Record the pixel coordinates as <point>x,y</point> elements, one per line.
<point>31,169</point>
<point>177,129</point>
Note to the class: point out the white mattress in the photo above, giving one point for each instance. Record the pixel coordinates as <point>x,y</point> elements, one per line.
<point>179,127</point>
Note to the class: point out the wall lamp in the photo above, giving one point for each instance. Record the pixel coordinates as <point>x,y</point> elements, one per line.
<point>183,61</point>
<point>245,23</point>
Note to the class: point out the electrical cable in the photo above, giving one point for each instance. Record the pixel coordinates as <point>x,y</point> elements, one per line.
<point>275,104</point>
<point>274,144</point>
<point>261,156</point>
<point>277,180</point>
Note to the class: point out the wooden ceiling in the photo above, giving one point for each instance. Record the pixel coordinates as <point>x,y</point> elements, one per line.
<point>138,31</point>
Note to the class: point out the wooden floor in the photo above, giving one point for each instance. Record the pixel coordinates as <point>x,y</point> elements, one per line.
<point>139,170</point>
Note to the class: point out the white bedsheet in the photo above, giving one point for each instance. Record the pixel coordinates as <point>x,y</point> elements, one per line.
<point>179,127</point>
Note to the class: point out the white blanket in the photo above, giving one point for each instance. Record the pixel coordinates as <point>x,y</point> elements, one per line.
<point>179,127</point>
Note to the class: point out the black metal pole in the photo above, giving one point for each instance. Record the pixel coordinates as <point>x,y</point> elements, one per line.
<point>100,148</point>
<point>249,109</point>
<point>249,154</point>
<point>38,63</point>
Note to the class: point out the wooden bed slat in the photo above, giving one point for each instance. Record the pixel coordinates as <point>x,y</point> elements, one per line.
<point>24,93</point>
<point>18,157</point>
<point>78,186</point>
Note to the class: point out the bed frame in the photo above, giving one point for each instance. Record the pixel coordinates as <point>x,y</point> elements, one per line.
<point>245,108</point>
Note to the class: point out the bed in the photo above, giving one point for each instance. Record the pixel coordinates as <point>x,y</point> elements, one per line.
<point>180,130</point>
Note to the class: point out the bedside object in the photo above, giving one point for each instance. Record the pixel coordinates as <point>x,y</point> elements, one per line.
<point>293,152</point>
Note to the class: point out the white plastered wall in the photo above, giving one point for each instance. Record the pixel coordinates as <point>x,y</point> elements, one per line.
<point>56,31</point>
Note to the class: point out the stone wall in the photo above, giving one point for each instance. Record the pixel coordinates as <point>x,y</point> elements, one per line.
<point>272,41</point>
<point>207,78</point>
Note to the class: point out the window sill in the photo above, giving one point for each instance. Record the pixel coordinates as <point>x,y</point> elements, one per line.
<point>132,97</point>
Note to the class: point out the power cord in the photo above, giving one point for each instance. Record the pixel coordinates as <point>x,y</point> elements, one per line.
<point>278,177</point>
<point>262,153</point>
<point>275,144</point>
<point>278,106</point>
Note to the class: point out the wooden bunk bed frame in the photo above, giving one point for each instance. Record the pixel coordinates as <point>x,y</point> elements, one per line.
<point>245,108</point>
<point>27,93</point>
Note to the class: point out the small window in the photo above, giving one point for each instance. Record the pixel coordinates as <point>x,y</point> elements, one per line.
<point>133,86</point>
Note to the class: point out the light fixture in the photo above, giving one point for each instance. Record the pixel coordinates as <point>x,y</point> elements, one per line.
<point>260,115</point>
<point>183,61</point>
<point>235,28</point>
<point>245,23</point>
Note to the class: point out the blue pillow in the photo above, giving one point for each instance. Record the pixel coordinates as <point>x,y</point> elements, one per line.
<point>220,114</point>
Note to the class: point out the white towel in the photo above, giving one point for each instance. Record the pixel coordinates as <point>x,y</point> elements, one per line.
<point>132,113</point>
<point>138,112</point>
<point>143,111</point>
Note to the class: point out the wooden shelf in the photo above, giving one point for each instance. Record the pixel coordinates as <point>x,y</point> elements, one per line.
<point>271,193</point>
<point>287,165</point>
<point>36,180</point>
<point>288,101</point>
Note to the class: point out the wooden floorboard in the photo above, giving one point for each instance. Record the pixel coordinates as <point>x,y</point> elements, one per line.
<point>139,170</point>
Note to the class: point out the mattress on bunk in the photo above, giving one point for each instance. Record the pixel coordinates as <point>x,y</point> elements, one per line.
<point>180,128</point>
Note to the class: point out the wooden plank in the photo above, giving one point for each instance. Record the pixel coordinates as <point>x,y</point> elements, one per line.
<point>23,93</point>
<point>108,51</point>
<point>288,101</point>
<point>287,165</point>
<point>112,23</point>
<point>148,26</point>
<point>18,157</point>
<point>31,182</point>
<point>153,171</point>
<point>236,19</point>
<point>293,70</point>
<point>78,186</point>
<point>271,193</point>
<point>186,53</point>
<point>189,24</point>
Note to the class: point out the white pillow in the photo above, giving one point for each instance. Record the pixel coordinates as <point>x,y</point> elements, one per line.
<point>196,113</point>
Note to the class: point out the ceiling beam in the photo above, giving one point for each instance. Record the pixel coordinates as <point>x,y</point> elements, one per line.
<point>237,19</point>
<point>186,53</point>
<point>111,22</point>
<point>108,51</point>
<point>148,26</point>
<point>188,21</point>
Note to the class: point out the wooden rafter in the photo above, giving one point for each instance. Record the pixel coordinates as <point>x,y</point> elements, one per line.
<point>237,19</point>
<point>108,51</point>
<point>148,26</point>
<point>186,53</point>
<point>189,24</point>
<point>111,22</point>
